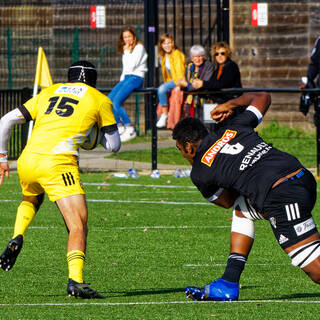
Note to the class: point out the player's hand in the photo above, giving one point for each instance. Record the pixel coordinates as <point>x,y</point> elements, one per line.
<point>302,86</point>
<point>221,112</point>
<point>4,171</point>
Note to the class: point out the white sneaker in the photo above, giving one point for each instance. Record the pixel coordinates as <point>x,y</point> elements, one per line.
<point>129,133</point>
<point>162,122</point>
<point>121,129</point>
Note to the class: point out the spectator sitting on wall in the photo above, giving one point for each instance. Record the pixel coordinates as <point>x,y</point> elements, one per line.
<point>199,68</point>
<point>173,68</point>
<point>181,103</point>
<point>134,67</point>
<point>225,75</point>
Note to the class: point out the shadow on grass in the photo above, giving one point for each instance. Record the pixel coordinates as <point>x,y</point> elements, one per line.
<point>115,294</point>
<point>143,292</point>
<point>301,295</point>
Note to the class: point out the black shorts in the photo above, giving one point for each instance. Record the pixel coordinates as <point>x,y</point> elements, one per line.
<point>288,208</point>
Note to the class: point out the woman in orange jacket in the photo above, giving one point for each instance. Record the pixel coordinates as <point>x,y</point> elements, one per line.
<point>173,69</point>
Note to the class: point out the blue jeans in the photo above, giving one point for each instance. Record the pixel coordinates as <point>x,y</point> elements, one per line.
<point>120,93</point>
<point>163,91</point>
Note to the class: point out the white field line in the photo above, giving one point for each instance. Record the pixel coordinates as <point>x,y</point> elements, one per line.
<point>109,304</point>
<point>133,228</point>
<point>247,264</point>
<point>171,227</point>
<point>134,201</point>
<point>139,191</point>
<point>131,185</point>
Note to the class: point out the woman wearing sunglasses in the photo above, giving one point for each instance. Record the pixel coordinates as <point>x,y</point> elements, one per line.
<point>225,75</point>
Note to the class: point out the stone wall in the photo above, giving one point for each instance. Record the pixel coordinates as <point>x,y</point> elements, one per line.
<point>277,55</point>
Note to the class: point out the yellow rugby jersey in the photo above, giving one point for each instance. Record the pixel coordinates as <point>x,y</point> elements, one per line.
<point>63,115</point>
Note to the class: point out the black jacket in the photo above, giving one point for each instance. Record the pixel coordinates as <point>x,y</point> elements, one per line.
<point>314,66</point>
<point>229,78</point>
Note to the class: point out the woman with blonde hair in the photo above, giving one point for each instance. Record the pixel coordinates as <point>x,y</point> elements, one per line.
<point>173,69</point>
<point>134,67</point>
<point>225,75</point>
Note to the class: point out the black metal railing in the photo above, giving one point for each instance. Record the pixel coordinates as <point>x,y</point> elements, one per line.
<point>10,99</point>
<point>316,103</point>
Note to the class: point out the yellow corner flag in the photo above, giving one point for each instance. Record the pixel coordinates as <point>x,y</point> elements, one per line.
<point>43,77</point>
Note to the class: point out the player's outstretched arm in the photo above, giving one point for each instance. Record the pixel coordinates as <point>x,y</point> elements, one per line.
<point>7,123</point>
<point>260,100</point>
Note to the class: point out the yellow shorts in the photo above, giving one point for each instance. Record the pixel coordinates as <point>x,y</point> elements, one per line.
<point>57,175</point>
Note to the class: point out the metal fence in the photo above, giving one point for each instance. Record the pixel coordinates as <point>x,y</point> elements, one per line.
<point>66,32</point>
<point>311,121</point>
<point>194,22</point>
<point>9,100</point>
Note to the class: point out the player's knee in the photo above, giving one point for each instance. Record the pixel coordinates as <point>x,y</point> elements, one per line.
<point>242,225</point>
<point>35,200</point>
<point>40,198</point>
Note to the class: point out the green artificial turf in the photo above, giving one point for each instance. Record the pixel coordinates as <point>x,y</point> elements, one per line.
<point>148,239</point>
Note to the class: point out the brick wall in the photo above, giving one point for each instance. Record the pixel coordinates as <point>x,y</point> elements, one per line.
<point>277,55</point>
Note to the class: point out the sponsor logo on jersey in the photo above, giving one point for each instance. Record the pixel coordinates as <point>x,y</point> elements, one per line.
<point>273,221</point>
<point>78,91</point>
<point>212,152</point>
<point>254,155</point>
<point>283,239</point>
<point>304,226</point>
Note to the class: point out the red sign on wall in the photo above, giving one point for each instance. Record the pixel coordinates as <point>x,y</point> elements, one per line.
<point>93,16</point>
<point>259,14</point>
<point>254,14</point>
<point>97,17</point>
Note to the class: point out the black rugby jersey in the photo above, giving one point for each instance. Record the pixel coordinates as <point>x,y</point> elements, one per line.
<point>235,157</point>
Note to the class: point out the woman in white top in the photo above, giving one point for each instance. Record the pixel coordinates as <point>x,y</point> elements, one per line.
<point>134,67</point>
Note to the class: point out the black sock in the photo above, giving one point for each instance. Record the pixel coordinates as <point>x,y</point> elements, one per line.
<point>234,268</point>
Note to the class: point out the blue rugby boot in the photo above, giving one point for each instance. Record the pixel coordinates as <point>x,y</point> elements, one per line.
<point>194,293</point>
<point>219,290</point>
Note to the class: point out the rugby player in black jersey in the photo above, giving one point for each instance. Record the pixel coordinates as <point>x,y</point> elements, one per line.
<point>233,160</point>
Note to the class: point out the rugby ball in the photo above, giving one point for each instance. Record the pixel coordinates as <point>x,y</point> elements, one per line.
<point>93,138</point>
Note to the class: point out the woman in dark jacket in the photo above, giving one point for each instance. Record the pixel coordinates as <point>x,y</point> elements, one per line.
<point>225,75</point>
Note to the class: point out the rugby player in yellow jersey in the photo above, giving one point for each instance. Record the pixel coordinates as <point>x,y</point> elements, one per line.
<point>64,113</point>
